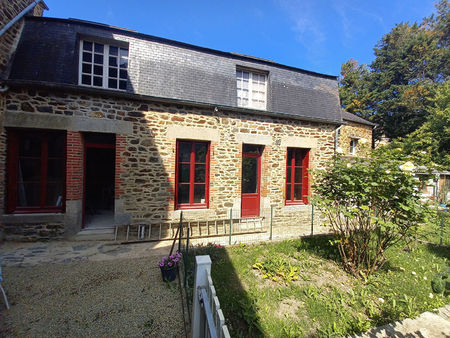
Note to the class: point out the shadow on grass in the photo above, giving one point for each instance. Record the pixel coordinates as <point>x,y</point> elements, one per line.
<point>238,307</point>
<point>439,250</point>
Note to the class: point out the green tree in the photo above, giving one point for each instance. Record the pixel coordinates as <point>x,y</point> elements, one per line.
<point>410,62</point>
<point>432,140</point>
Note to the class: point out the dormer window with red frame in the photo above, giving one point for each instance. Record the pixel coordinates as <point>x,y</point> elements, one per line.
<point>297,176</point>
<point>36,171</point>
<point>192,175</point>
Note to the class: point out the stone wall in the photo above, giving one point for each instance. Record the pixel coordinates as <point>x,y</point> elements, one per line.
<point>361,132</point>
<point>145,156</point>
<point>9,9</point>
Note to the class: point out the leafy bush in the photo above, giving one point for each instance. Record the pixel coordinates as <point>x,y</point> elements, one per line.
<point>370,204</point>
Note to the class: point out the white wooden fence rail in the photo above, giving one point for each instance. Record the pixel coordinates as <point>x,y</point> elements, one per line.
<point>207,317</point>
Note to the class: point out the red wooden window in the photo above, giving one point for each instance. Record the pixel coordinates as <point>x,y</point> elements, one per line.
<point>192,175</point>
<point>297,176</point>
<point>36,171</point>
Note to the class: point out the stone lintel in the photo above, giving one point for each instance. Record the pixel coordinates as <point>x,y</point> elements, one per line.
<point>73,123</point>
<point>193,133</point>
<point>299,142</point>
<point>254,139</point>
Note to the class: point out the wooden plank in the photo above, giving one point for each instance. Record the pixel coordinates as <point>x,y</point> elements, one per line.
<point>215,226</point>
<point>149,230</point>
<point>160,230</point>
<point>128,231</point>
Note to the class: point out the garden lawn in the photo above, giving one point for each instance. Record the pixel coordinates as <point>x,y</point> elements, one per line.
<point>297,288</point>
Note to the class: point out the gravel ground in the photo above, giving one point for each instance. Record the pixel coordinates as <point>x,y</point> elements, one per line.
<point>124,297</point>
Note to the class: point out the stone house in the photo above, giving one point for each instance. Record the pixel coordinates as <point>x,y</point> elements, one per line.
<point>104,126</point>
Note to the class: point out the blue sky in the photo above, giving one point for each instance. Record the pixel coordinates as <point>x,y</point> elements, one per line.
<point>317,35</point>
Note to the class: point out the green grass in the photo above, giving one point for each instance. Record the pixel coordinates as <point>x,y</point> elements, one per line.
<point>438,230</point>
<point>322,300</point>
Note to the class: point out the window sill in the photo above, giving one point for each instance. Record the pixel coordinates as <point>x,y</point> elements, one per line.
<point>104,88</point>
<point>191,208</point>
<point>296,207</point>
<point>32,218</point>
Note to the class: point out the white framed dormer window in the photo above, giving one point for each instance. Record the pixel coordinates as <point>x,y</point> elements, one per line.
<point>353,146</point>
<point>251,89</point>
<point>102,65</point>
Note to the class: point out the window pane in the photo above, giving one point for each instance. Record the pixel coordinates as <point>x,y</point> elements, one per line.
<point>298,157</point>
<point>200,173</point>
<point>54,194</point>
<point>86,79</point>
<point>28,194</point>
<point>113,61</point>
<point>56,144</point>
<point>98,58</point>
<point>123,63</point>
<point>123,74</point>
<point>288,192</point>
<point>249,175</point>
<point>113,50</point>
<point>30,145</point>
<point>98,70</point>
<point>55,170</point>
<point>123,85</point>
<point>298,192</point>
<point>288,174</point>
<point>199,193</point>
<point>98,48</point>
<point>87,45</point>
<point>113,72</point>
<point>251,148</point>
<point>98,81</point>
<point>112,83</point>
<point>87,68</point>
<point>183,193</point>
<point>298,175</point>
<point>87,57</point>
<point>184,152</point>
<point>184,173</point>
<point>123,52</point>
<point>200,152</point>
<point>29,170</point>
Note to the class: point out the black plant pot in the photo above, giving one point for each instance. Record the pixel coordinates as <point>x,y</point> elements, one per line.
<point>168,274</point>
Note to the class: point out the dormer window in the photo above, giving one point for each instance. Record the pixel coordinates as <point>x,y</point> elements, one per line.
<point>251,89</point>
<point>103,65</point>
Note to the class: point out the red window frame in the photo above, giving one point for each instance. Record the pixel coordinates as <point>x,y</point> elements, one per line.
<point>191,183</point>
<point>290,179</point>
<point>13,157</point>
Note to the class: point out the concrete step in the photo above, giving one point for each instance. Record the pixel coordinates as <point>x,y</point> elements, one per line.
<point>95,234</point>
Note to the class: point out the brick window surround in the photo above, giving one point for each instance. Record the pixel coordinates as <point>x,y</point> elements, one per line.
<point>192,175</point>
<point>36,166</point>
<point>297,164</point>
<point>251,89</point>
<point>102,65</point>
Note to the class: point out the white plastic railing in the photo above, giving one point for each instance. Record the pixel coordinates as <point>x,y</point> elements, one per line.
<point>207,317</point>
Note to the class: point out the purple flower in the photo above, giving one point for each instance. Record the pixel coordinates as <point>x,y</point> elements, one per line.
<point>161,264</point>
<point>169,264</point>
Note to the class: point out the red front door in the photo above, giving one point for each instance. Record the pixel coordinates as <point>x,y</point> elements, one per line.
<point>251,178</point>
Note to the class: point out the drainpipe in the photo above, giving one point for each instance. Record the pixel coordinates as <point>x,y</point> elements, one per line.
<point>336,137</point>
<point>19,16</point>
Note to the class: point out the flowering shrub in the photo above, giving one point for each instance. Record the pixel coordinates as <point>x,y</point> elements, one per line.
<point>171,261</point>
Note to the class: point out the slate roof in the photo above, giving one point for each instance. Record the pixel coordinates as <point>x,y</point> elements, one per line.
<point>346,116</point>
<point>48,52</point>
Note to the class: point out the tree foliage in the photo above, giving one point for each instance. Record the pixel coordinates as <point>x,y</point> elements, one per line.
<point>394,91</point>
<point>370,204</point>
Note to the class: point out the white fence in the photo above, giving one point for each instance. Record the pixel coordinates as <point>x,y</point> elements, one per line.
<point>207,317</point>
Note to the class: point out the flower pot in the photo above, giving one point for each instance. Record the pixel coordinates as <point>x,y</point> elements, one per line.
<point>168,274</point>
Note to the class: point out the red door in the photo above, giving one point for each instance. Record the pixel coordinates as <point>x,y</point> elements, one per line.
<point>251,178</point>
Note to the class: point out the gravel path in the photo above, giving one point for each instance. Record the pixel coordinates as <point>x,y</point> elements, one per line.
<point>121,297</point>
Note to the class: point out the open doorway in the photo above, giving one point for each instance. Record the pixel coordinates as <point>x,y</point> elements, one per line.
<point>99,157</point>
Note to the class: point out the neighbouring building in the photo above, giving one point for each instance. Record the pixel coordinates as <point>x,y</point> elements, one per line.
<point>104,126</point>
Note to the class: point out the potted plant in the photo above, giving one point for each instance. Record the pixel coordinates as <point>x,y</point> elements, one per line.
<point>168,266</point>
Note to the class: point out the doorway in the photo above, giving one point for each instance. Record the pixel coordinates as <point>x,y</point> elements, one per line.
<point>251,180</point>
<point>99,166</point>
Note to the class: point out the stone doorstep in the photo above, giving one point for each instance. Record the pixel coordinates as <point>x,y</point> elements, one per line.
<point>95,234</point>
